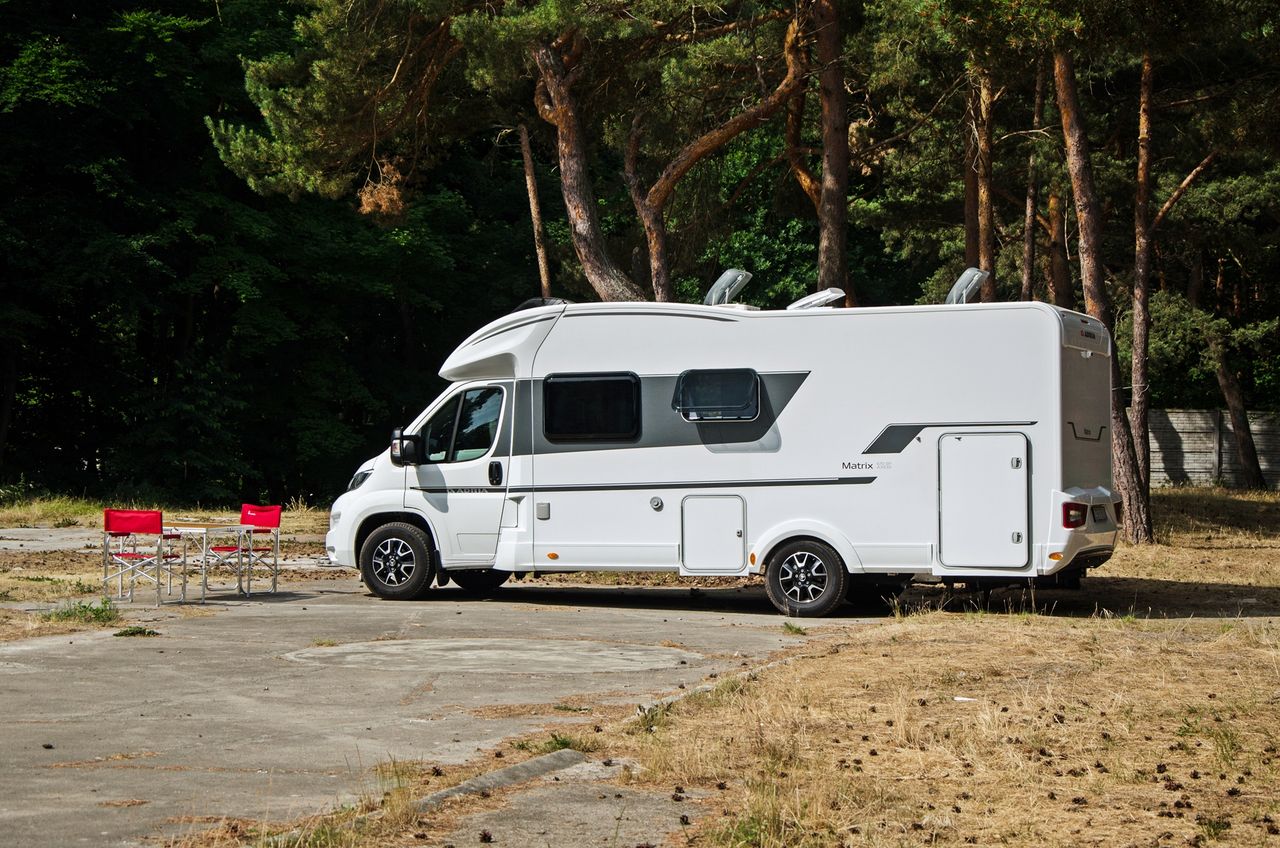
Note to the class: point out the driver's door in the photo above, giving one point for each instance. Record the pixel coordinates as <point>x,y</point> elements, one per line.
<point>460,481</point>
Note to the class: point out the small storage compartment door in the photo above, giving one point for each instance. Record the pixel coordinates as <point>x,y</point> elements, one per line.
<point>712,538</point>
<point>982,500</point>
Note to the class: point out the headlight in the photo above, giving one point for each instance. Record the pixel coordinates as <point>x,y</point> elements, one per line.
<point>334,518</point>
<point>360,477</point>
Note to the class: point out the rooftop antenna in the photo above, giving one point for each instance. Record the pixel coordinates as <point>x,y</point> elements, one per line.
<point>818,299</point>
<point>967,286</point>
<point>727,286</point>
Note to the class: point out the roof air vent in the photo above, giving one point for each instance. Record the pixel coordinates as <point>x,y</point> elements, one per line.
<point>822,298</point>
<point>727,287</point>
<point>967,286</point>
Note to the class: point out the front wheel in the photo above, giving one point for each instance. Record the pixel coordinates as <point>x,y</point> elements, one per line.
<point>395,562</point>
<point>806,578</point>
<point>479,581</point>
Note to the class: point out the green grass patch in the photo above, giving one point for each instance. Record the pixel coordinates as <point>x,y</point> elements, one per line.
<point>87,612</point>
<point>136,630</point>
<point>793,629</point>
<point>556,742</point>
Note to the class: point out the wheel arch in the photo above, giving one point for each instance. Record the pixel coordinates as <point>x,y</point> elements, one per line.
<point>794,531</point>
<point>372,522</point>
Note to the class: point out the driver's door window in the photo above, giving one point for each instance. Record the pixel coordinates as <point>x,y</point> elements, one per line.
<point>465,427</point>
<point>437,434</point>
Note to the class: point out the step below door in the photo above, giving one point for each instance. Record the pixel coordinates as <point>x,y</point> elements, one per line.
<point>712,538</point>
<point>982,500</point>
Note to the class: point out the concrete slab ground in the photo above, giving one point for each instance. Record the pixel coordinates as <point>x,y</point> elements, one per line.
<point>251,711</point>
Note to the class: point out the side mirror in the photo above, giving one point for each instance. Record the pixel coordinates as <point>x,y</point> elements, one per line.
<point>404,449</point>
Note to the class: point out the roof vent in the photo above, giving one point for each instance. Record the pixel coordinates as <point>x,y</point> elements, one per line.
<point>727,287</point>
<point>967,286</point>
<point>535,302</point>
<point>822,298</point>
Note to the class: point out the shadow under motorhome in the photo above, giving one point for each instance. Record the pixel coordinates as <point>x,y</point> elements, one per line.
<point>836,451</point>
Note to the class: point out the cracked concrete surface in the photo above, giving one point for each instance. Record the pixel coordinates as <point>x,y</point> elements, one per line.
<point>253,712</point>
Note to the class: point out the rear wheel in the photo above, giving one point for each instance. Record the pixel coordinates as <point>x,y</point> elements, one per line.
<point>806,578</point>
<point>395,562</point>
<point>479,581</point>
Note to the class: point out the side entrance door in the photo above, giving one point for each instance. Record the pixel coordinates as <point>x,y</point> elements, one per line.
<point>461,482</point>
<point>982,500</point>
<point>712,537</point>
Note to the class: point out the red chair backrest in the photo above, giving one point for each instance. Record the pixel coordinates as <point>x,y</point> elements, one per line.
<point>260,516</point>
<point>147,521</point>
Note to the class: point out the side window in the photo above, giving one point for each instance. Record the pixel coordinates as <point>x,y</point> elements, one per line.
<point>478,423</point>
<point>731,394</point>
<point>591,407</point>
<point>465,427</point>
<point>437,433</point>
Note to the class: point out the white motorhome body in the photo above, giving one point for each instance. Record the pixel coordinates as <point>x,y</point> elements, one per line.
<point>966,443</point>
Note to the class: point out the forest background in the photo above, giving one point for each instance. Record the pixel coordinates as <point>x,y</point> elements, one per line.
<point>238,237</point>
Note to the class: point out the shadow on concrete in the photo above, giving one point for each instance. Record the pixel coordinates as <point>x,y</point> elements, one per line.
<point>1099,596</point>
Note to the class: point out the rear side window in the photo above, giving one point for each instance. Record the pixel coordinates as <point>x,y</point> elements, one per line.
<point>728,394</point>
<point>591,407</point>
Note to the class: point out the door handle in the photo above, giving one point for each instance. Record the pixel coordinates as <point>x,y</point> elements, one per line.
<point>495,473</point>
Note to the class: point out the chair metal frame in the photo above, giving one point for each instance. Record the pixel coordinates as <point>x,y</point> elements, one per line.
<point>122,533</point>
<point>265,521</point>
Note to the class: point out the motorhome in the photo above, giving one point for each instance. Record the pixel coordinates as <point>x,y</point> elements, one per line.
<point>838,453</point>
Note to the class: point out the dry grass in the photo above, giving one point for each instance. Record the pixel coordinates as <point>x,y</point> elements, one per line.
<point>297,516</point>
<point>54,512</point>
<point>16,624</point>
<point>1098,732</point>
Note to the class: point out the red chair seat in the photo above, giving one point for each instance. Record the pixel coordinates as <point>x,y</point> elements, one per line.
<point>224,549</point>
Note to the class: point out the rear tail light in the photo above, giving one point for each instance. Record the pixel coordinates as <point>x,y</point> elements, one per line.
<point>1074,515</point>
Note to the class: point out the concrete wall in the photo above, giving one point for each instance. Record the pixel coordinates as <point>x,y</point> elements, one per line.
<point>1197,446</point>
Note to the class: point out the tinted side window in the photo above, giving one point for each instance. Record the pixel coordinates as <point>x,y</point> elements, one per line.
<point>478,423</point>
<point>718,395</point>
<point>437,433</point>
<point>591,407</point>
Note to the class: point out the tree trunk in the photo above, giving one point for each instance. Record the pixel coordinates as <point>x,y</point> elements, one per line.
<point>1195,278</point>
<point>1141,276</point>
<point>1033,194</point>
<point>986,207</point>
<point>1061,289</point>
<point>535,213</point>
<point>1246,451</point>
<point>558,106</point>
<point>970,184</point>
<point>833,210</point>
<point>8,393</point>
<point>1137,504</point>
<point>651,205</point>
<point>808,183</point>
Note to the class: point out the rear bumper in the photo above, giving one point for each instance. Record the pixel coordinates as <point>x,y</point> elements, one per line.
<point>1083,547</point>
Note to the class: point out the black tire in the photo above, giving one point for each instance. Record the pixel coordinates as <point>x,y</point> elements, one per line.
<point>805,578</point>
<point>395,562</point>
<point>479,581</point>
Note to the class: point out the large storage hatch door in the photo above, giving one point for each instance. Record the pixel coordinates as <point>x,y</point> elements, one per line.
<point>982,500</point>
<point>712,537</point>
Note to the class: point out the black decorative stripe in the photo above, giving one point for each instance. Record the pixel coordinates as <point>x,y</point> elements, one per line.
<point>896,437</point>
<point>623,487</point>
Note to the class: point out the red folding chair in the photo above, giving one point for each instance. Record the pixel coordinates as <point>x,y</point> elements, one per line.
<point>261,546</point>
<point>124,531</point>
